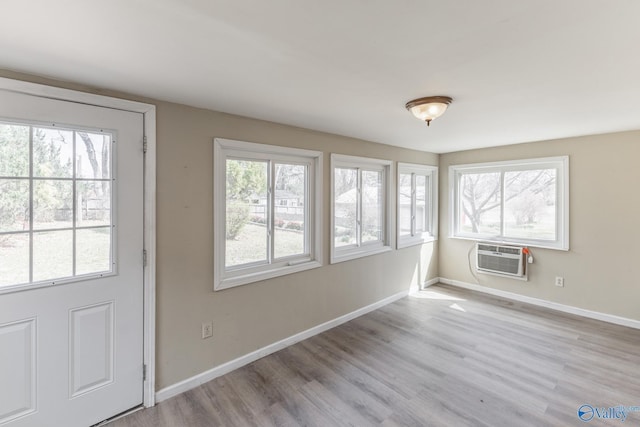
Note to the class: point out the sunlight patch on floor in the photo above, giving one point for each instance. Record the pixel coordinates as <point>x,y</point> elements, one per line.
<point>435,295</point>
<point>455,306</point>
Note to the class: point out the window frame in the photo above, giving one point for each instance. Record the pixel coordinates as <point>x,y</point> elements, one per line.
<point>430,234</point>
<point>228,277</point>
<point>346,253</point>
<point>560,163</point>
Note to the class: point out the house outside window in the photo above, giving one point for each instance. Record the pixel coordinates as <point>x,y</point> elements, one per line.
<point>361,207</point>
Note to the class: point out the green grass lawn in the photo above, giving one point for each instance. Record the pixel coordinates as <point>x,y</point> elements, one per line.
<point>53,255</point>
<point>251,244</point>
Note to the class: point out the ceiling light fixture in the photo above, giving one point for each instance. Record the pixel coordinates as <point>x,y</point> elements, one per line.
<point>429,108</point>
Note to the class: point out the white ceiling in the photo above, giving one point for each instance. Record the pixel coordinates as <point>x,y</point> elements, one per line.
<point>518,71</point>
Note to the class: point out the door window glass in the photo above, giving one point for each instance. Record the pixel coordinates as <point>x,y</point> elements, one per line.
<point>55,203</point>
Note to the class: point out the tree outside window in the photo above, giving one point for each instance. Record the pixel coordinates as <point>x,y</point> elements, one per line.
<point>521,201</point>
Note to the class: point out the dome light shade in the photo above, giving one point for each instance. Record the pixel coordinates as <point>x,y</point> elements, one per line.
<point>429,108</point>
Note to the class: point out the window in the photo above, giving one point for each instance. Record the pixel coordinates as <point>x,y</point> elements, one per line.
<point>360,207</point>
<point>417,204</point>
<point>259,232</point>
<point>55,204</point>
<point>524,202</point>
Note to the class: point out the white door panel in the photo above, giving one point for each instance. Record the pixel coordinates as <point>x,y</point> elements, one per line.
<point>71,346</point>
<point>91,351</point>
<point>18,370</point>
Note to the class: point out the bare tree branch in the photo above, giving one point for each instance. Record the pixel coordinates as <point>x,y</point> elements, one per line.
<point>91,153</point>
<point>478,207</point>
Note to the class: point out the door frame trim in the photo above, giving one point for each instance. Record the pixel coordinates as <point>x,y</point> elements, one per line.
<point>149,275</point>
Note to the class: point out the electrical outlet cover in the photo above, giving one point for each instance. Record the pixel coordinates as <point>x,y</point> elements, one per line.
<point>207,330</point>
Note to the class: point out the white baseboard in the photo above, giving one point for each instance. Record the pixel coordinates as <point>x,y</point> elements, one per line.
<point>610,318</point>
<point>225,368</point>
<point>430,282</point>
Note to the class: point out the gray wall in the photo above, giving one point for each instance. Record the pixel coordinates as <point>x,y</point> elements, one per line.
<point>599,268</point>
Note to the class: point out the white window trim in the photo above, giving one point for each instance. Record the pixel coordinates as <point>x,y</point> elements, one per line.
<point>349,253</point>
<point>431,234</point>
<point>224,278</point>
<point>562,199</point>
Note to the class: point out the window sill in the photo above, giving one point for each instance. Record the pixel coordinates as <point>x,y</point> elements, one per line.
<point>230,282</point>
<point>502,241</point>
<point>406,243</point>
<point>360,253</point>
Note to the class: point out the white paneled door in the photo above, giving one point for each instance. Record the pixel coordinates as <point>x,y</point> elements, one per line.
<point>71,263</point>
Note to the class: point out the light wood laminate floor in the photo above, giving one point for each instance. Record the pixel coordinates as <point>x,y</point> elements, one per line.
<point>444,357</point>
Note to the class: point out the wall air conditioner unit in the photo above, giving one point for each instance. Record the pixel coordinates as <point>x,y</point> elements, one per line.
<point>501,260</point>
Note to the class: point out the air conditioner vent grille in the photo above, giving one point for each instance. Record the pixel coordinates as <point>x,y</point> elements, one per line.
<point>514,251</point>
<point>501,260</point>
<point>498,264</point>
